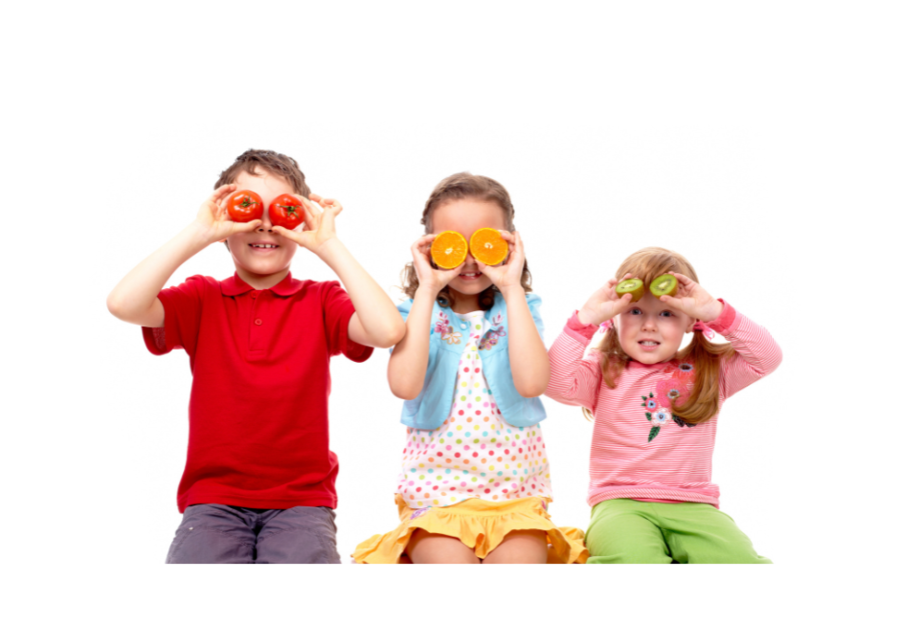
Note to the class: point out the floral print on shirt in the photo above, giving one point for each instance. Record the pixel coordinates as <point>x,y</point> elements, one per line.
<point>659,405</point>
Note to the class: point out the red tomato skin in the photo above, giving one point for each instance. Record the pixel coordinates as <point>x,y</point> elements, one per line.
<point>245,206</point>
<point>286,211</point>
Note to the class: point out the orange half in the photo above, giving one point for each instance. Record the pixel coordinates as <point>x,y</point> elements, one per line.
<point>489,246</point>
<point>449,250</point>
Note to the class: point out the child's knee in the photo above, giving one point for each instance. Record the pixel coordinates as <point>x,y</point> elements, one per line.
<point>625,539</point>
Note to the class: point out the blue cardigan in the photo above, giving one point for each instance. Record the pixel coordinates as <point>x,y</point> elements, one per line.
<point>432,406</point>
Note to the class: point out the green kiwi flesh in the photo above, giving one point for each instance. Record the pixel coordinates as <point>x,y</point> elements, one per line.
<point>634,286</point>
<point>666,284</point>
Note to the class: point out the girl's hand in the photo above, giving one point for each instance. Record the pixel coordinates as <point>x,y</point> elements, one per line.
<point>213,220</point>
<point>430,279</point>
<point>604,304</point>
<point>693,300</point>
<point>508,274</point>
<point>318,225</point>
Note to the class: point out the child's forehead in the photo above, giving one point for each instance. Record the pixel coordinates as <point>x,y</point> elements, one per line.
<point>468,212</point>
<point>262,178</point>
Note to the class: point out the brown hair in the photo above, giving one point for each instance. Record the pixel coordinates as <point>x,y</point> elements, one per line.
<point>274,163</point>
<point>703,403</point>
<point>465,186</point>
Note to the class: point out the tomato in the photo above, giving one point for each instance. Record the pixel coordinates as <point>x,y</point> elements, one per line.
<point>245,206</point>
<point>286,211</point>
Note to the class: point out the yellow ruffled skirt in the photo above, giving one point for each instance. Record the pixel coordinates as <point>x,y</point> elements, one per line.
<point>478,524</point>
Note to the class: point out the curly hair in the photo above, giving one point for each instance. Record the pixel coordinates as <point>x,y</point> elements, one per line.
<point>464,186</point>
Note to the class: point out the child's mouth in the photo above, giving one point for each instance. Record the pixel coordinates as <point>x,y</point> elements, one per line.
<point>468,277</point>
<point>263,246</point>
<point>648,345</point>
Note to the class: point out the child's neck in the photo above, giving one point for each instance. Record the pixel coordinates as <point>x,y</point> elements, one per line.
<point>262,282</point>
<point>464,304</point>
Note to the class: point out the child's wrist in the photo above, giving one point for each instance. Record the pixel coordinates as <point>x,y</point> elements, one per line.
<point>512,291</point>
<point>329,249</point>
<point>588,318</point>
<point>199,235</point>
<point>426,292</point>
<point>717,309</point>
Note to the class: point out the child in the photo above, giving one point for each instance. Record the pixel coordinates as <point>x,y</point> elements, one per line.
<point>475,482</point>
<point>259,481</point>
<point>655,412</point>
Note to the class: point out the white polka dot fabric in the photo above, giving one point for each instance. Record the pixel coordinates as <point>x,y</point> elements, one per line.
<point>474,453</point>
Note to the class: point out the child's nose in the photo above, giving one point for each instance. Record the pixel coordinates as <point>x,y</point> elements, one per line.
<point>266,225</point>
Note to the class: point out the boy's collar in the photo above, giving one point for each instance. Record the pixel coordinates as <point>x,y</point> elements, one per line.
<point>235,285</point>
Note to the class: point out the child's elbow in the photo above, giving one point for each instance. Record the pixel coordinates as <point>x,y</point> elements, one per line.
<point>775,359</point>
<point>396,334</point>
<point>403,392</point>
<point>531,390</point>
<point>115,306</point>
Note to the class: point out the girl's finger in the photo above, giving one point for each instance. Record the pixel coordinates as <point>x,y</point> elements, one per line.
<point>676,303</point>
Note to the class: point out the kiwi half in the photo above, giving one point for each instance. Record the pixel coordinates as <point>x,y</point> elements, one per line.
<point>634,286</point>
<point>666,284</point>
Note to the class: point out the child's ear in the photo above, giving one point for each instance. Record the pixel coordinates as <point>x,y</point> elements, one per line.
<point>690,325</point>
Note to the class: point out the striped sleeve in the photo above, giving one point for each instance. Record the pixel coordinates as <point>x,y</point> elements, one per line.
<point>756,352</point>
<point>573,380</point>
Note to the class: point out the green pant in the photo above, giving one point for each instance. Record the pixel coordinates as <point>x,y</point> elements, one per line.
<point>624,531</point>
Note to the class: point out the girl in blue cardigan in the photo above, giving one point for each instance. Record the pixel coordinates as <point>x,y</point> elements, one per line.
<point>475,481</point>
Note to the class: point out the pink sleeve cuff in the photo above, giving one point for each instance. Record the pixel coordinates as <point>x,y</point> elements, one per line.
<point>582,332</point>
<point>725,322</point>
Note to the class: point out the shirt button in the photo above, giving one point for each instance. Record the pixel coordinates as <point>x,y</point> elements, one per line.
<point>254,294</point>
<point>258,322</point>
<point>464,326</point>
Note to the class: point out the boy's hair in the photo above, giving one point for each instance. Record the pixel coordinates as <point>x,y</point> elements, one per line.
<point>274,163</point>
<point>703,402</point>
<point>465,186</point>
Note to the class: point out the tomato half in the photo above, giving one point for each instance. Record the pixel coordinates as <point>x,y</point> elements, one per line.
<point>245,206</point>
<point>286,211</point>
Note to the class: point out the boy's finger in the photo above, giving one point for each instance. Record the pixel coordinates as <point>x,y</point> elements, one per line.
<point>249,226</point>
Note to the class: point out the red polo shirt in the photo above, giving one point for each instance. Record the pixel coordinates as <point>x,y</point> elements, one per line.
<point>259,401</point>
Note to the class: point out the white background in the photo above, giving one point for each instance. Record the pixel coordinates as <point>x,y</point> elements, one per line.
<point>759,140</point>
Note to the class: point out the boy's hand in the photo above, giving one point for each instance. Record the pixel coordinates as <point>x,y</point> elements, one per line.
<point>604,304</point>
<point>213,220</point>
<point>430,279</point>
<point>509,273</point>
<point>318,225</point>
<point>693,300</point>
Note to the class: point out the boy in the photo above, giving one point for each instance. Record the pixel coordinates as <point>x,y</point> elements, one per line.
<point>258,484</point>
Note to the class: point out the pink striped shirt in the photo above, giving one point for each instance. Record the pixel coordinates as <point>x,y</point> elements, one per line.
<point>640,449</point>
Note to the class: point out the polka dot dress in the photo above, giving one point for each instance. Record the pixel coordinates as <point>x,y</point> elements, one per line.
<point>475,452</point>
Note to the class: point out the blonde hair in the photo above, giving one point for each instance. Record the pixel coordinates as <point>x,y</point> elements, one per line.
<point>703,402</point>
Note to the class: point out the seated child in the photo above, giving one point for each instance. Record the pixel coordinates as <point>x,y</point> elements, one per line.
<point>259,481</point>
<point>656,411</point>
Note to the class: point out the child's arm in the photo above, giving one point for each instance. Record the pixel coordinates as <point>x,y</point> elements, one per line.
<point>376,322</point>
<point>574,380</point>
<point>756,352</point>
<point>409,360</point>
<point>134,299</point>
<point>527,353</point>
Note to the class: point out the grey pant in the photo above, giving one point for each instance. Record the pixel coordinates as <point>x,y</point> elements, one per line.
<point>211,533</point>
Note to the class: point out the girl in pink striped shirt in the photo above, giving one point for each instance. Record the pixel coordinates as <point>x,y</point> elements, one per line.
<point>655,411</point>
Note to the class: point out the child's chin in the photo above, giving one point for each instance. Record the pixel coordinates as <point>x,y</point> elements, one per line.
<point>469,289</point>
